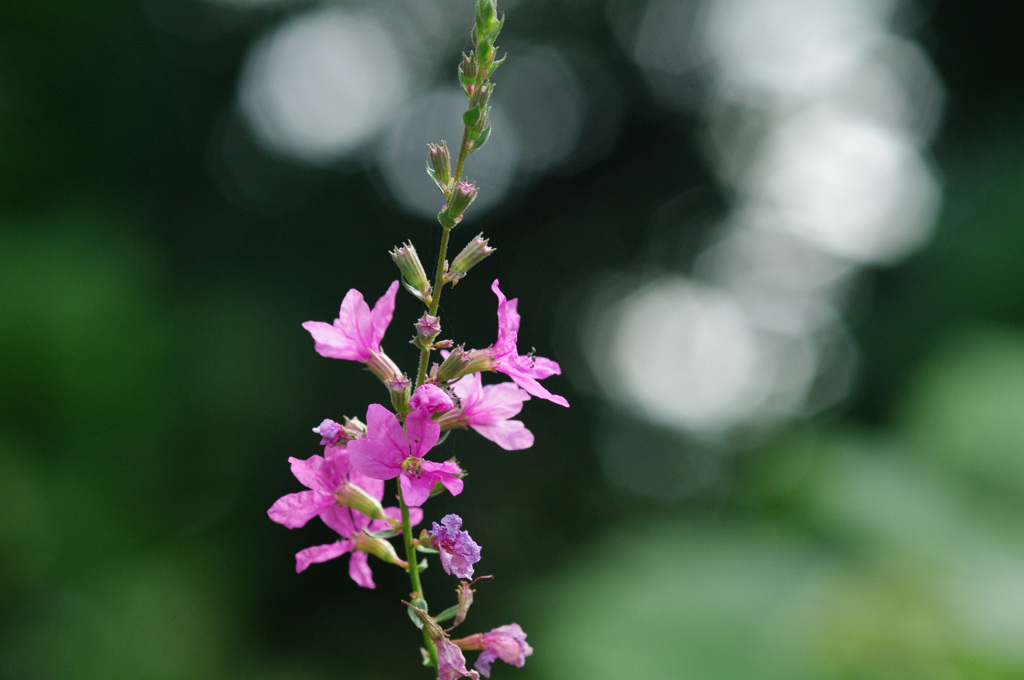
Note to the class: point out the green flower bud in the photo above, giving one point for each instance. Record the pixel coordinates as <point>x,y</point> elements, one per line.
<point>413,275</point>
<point>439,165</point>
<point>474,252</point>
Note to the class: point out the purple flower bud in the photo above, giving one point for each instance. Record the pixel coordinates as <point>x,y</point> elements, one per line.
<point>458,551</point>
<point>329,431</point>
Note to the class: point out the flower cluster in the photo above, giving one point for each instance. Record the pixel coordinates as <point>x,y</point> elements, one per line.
<point>399,439</point>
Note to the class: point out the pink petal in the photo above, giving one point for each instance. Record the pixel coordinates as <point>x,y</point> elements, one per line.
<point>531,385</point>
<point>508,322</point>
<point>359,569</point>
<point>341,519</point>
<point>510,435</point>
<point>421,432</point>
<point>451,664</point>
<point>382,425</point>
<point>331,342</point>
<point>295,509</point>
<point>375,459</point>
<point>354,323</point>
<point>496,403</point>
<point>309,472</point>
<point>371,485</point>
<point>415,491</point>
<point>381,315</point>
<point>446,473</point>
<point>320,553</point>
<point>542,367</point>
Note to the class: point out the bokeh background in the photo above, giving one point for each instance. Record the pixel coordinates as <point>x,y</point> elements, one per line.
<point>776,246</point>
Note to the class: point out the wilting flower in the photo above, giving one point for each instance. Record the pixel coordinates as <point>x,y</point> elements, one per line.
<point>348,502</point>
<point>451,664</point>
<point>507,643</point>
<point>526,369</point>
<point>357,332</point>
<point>458,551</point>
<point>389,451</point>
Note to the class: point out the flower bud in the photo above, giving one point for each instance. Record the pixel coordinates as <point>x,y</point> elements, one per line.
<point>439,165</point>
<point>467,73</point>
<point>330,432</point>
<point>353,428</point>
<point>454,366</point>
<point>398,388</point>
<point>413,275</point>
<point>487,23</point>
<point>474,252</point>
<point>378,547</point>
<point>427,328</point>
<point>462,196</point>
<point>353,496</point>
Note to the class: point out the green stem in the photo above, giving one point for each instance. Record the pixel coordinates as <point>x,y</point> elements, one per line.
<point>442,255</point>
<point>463,154</point>
<point>414,571</point>
<point>435,302</point>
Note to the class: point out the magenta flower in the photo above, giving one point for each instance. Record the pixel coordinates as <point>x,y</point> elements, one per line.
<point>451,664</point>
<point>526,369</point>
<point>389,451</point>
<point>488,411</point>
<point>328,478</point>
<point>507,643</point>
<point>347,502</point>
<point>357,332</point>
<point>458,551</point>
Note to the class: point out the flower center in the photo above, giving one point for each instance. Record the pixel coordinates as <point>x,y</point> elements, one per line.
<point>412,466</point>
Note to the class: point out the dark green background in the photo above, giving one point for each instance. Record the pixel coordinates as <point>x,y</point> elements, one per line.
<point>155,378</point>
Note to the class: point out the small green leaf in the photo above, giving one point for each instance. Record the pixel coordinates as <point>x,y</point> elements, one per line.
<point>447,613</point>
<point>383,533</point>
<point>482,138</point>
<point>472,116</point>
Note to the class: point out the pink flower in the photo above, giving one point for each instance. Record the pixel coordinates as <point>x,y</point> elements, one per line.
<point>507,643</point>
<point>357,332</point>
<point>326,477</point>
<point>451,664</point>
<point>488,411</point>
<point>389,451</point>
<point>335,492</point>
<point>526,369</point>
<point>458,551</point>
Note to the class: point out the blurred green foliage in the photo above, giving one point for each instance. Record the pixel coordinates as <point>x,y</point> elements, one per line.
<point>155,380</point>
